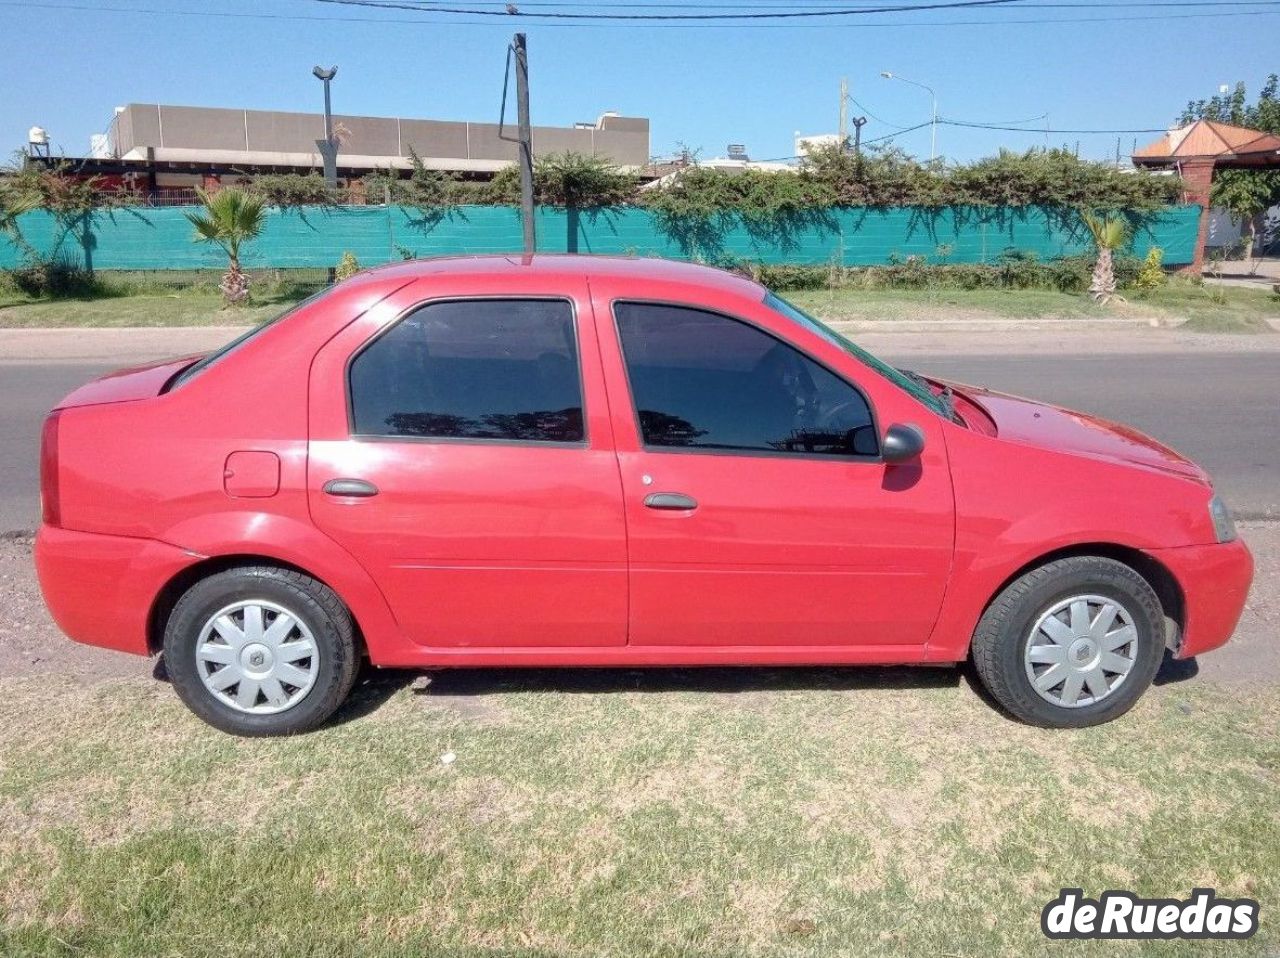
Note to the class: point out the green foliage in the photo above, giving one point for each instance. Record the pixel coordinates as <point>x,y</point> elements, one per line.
<point>55,278</point>
<point>702,192</point>
<point>1246,193</point>
<point>230,218</point>
<point>424,190</point>
<point>348,266</point>
<point>1151,276</point>
<point>1108,232</point>
<point>57,189</point>
<point>292,190</point>
<point>567,179</point>
<point>1014,270</point>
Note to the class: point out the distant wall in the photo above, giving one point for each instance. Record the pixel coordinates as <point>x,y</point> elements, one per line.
<point>156,239</point>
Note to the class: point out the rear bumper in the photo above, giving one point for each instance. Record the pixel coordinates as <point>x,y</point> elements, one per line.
<point>1215,582</point>
<point>100,589</point>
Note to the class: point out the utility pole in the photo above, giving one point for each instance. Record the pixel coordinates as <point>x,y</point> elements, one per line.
<point>844,114</point>
<point>526,144</point>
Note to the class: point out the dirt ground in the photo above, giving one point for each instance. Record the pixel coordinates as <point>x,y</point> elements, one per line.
<point>32,645</point>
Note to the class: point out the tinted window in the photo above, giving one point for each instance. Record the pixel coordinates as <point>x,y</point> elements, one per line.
<point>703,380</point>
<point>479,369</point>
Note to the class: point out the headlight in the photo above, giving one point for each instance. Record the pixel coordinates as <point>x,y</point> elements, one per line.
<point>1223,525</point>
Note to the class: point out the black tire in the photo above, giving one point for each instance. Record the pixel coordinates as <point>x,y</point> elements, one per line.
<point>1000,642</point>
<point>307,600</point>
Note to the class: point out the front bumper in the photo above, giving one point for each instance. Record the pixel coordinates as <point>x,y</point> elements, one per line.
<point>100,589</point>
<point>1215,582</point>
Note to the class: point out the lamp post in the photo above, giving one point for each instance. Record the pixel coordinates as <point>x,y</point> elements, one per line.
<point>328,146</point>
<point>933,120</point>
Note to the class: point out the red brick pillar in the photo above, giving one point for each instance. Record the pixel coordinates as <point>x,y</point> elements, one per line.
<point>212,182</point>
<point>1197,174</point>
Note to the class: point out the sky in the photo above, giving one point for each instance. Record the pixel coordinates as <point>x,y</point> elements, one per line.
<point>68,63</point>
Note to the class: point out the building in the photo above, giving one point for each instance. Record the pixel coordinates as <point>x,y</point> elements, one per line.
<point>154,148</point>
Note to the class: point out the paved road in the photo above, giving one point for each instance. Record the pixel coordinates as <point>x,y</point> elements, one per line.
<point>1221,409</point>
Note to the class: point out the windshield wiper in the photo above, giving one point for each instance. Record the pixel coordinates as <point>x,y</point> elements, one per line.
<point>946,398</point>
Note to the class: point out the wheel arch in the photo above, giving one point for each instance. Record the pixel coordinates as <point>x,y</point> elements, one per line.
<point>173,590</point>
<point>1157,575</point>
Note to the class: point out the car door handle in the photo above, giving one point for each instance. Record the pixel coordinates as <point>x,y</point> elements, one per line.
<point>358,488</point>
<point>670,501</point>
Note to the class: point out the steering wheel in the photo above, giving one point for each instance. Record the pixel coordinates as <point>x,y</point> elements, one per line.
<point>862,439</point>
<point>784,368</point>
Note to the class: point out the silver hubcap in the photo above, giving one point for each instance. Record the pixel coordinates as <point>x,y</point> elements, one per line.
<point>1081,650</point>
<point>257,657</point>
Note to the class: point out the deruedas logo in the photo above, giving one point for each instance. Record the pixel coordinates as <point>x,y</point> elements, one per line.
<point>1122,914</point>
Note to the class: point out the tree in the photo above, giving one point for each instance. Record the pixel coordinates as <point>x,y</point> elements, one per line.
<point>1109,233</point>
<point>71,198</point>
<point>1247,194</point>
<point>12,205</point>
<point>230,218</point>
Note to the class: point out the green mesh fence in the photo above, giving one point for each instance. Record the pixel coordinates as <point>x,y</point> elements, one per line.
<point>159,239</point>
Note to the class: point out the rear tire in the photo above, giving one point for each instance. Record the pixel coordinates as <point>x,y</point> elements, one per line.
<point>261,651</point>
<point>1071,644</point>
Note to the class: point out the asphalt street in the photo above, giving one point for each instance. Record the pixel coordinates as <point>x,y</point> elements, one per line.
<point>1221,409</point>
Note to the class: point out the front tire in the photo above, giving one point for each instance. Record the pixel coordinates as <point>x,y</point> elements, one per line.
<point>261,651</point>
<point>1071,644</point>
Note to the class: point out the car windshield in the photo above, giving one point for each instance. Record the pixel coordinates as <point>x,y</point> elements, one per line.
<point>196,368</point>
<point>916,387</point>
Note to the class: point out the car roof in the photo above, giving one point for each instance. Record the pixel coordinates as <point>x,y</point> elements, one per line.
<point>574,265</point>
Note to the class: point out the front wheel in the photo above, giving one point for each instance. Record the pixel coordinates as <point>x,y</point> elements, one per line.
<point>1073,643</point>
<point>261,651</point>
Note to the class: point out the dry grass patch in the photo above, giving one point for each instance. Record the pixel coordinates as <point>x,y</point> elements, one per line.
<point>760,812</point>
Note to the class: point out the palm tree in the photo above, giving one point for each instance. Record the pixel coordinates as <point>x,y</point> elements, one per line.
<point>1110,233</point>
<point>230,217</point>
<point>12,205</point>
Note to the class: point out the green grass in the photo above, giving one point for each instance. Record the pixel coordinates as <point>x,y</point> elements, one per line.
<point>804,812</point>
<point>151,302</point>
<point>1207,308</point>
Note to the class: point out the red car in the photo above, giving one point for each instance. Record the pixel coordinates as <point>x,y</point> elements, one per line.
<point>579,461</point>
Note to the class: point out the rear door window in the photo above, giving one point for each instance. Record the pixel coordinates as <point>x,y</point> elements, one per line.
<point>502,370</point>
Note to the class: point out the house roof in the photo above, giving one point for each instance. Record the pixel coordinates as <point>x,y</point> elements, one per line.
<point>1204,139</point>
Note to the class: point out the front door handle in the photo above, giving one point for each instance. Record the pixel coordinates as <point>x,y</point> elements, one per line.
<point>670,501</point>
<point>357,488</point>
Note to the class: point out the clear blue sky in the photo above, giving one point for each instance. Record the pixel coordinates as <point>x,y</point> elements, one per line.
<point>65,69</point>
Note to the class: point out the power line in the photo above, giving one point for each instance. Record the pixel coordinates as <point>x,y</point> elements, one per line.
<point>817,5</point>
<point>513,11</point>
<point>428,21</point>
<point>1023,129</point>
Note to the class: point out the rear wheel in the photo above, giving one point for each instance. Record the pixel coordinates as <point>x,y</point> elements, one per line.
<point>1073,643</point>
<point>261,651</point>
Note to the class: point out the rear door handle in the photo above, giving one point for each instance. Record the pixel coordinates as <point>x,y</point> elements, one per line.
<point>670,501</point>
<point>357,488</point>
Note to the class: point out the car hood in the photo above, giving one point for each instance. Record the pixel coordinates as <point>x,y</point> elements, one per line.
<point>1051,427</point>
<point>127,385</point>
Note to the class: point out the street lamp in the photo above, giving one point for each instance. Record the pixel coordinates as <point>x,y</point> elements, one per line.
<point>328,146</point>
<point>933,121</point>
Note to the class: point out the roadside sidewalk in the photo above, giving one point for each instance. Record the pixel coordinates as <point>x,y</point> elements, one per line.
<point>131,345</point>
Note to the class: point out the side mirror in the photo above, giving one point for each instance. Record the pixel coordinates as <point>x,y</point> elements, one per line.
<point>902,442</point>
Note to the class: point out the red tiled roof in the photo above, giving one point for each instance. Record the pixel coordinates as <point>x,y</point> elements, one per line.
<point>1208,138</point>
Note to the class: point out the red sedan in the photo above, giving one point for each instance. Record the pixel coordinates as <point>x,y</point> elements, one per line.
<point>578,461</point>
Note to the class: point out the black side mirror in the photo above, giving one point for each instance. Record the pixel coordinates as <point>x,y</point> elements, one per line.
<point>902,442</point>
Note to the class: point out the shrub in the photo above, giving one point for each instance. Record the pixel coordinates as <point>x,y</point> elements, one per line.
<point>56,278</point>
<point>792,277</point>
<point>1151,276</point>
<point>347,267</point>
<point>291,190</point>
<point>567,179</point>
<point>1015,270</point>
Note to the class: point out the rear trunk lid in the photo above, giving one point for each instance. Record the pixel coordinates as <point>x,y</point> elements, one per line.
<point>127,385</point>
